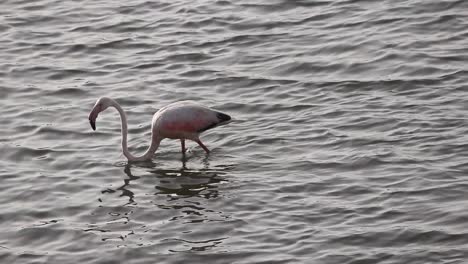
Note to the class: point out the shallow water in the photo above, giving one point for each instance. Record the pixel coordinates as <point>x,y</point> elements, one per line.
<point>349,143</point>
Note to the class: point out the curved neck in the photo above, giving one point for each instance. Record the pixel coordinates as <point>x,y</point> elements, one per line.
<point>154,139</point>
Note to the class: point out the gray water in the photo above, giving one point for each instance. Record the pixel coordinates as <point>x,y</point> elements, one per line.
<point>349,143</point>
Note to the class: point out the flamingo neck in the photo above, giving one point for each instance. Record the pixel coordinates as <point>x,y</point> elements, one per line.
<point>151,149</point>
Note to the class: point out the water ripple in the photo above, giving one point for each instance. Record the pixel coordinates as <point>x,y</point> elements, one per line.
<point>348,142</point>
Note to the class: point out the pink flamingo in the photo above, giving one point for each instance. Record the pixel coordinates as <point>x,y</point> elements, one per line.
<point>181,120</point>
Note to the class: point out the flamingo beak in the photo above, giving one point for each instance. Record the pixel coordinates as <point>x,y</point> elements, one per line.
<point>93,124</point>
<point>93,116</point>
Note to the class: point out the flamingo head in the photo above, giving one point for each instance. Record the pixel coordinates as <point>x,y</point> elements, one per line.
<point>101,104</point>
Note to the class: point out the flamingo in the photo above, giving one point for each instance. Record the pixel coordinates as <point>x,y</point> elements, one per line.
<point>181,120</point>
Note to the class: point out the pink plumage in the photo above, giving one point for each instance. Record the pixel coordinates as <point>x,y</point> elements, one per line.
<point>181,120</point>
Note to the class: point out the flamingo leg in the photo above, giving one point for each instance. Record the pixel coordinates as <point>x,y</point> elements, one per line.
<point>182,143</point>
<point>203,146</point>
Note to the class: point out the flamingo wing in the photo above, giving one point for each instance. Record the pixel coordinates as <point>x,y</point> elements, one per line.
<point>183,118</point>
<point>221,118</point>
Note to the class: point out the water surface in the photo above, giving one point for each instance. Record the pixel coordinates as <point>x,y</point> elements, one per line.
<point>349,144</point>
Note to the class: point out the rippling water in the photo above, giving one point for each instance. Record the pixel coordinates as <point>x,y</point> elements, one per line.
<point>349,144</point>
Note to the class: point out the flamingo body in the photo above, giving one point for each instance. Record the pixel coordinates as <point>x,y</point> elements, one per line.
<point>186,120</point>
<point>181,120</point>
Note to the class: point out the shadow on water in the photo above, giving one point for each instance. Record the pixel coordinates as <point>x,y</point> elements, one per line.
<point>175,183</point>
<point>125,188</point>
<point>183,198</point>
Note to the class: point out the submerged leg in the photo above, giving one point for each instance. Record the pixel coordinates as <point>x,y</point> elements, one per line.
<point>182,143</point>
<point>203,146</point>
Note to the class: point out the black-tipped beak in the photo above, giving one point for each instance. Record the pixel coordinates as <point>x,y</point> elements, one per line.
<point>93,124</point>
